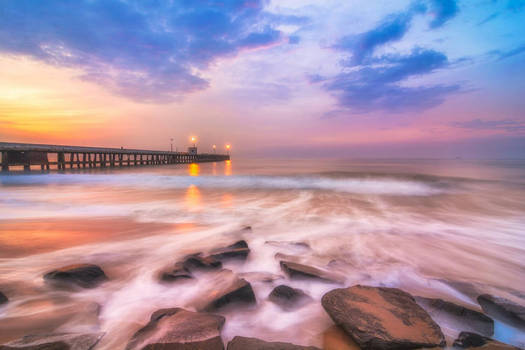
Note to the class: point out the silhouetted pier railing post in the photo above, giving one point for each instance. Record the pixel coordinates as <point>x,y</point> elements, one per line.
<point>27,155</point>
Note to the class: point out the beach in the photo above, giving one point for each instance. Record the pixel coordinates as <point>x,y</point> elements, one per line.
<point>447,229</point>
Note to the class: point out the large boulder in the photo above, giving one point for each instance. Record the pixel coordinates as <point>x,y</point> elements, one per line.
<point>3,298</point>
<point>334,338</point>
<point>238,250</point>
<point>503,309</point>
<point>60,341</point>
<point>225,288</point>
<point>244,343</point>
<point>456,316</point>
<point>301,271</point>
<point>178,272</point>
<point>82,275</point>
<point>200,262</point>
<point>287,297</point>
<point>179,329</point>
<point>467,340</point>
<point>382,318</point>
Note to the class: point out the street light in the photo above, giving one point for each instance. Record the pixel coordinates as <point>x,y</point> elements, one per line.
<point>214,148</point>
<point>171,145</point>
<point>228,148</point>
<point>194,140</point>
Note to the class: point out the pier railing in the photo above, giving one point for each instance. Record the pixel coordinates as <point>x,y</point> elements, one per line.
<point>46,156</point>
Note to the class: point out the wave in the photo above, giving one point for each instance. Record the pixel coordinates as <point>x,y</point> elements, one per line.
<point>358,185</point>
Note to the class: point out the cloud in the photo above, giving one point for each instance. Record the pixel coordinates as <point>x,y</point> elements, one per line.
<point>362,46</point>
<point>378,86</point>
<point>489,18</point>
<point>501,55</point>
<point>508,125</point>
<point>443,10</point>
<point>148,51</point>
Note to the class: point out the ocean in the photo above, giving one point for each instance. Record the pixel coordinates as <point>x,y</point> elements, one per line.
<point>447,229</point>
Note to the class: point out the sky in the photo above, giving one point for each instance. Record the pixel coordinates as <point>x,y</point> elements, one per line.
<point>293,78</point>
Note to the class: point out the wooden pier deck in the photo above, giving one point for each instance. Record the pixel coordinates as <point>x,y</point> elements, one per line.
<point>63,157</point>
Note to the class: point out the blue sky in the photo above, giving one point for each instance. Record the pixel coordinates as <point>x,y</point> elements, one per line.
<point>266,75</point>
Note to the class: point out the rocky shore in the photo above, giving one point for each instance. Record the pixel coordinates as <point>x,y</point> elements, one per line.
<point>364,317</point>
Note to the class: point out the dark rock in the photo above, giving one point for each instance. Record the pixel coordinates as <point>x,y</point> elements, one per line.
<point>503,309</point>
<point>467,340</point>
<point>3,298</point>
<point>59,341</point>
<point>238,250</point>
<point>243,343</point>
<point>382,318</point>
<point>179,329</point>
<point>297,270</point>
<point>288,297</point>
<point>457,316</point>
<point>83,275</point>
<point>179,272</point>
<point>257,276</point>
<point>225,288</point>
<point>199,262</point>
<point>289,244</point>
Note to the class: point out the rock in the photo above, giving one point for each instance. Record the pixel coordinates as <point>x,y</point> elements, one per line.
<point>225,288</point>
<point>297,270</point>
<point>467,340</point>
<point>287,297</point>
<point>83,275</point>
<point>179,272</point>
<point>382,318</point>
<point>59,341</point>
<point>199,262</point>
<point>457,316</point>
<point>290,244</point>
<point>243,343</point>
<point>179,329</point>
<point>503,309</point>
<point>238,250</point>
<point>259,276</point>
<point>334,338</point>
<point>3,298</point>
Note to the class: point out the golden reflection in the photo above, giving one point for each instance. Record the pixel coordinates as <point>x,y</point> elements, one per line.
<point>228,168</point>
<point>194,169</point>
<point>193,198</point>
<point>214,168</point>
<point>227,200</point>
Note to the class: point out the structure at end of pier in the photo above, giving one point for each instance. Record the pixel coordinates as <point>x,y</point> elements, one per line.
<point>63,157</point>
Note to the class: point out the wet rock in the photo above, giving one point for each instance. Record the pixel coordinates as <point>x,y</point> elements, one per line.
<point>260,276</point>
<point>179,329</point>
<point>244,343</point>
<point>3,298</point>
<point>179,272</point>
<point>83,275</point>
<point>289,244</point>
<point>238,250</point>
<point>334,338</point>
<point>503,309</point>
<point>457,316</point>
<point>467,340</point>
<point>297,270</point>
<point>59,341</point>
<point>225,288</point>
<point>382,318</point>
<point>200,262</point>
<point>288,297</point>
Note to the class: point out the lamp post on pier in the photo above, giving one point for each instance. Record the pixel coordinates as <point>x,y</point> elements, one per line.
<point>171,145</point>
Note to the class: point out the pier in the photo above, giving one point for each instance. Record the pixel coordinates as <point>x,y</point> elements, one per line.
<point>69,157</point>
